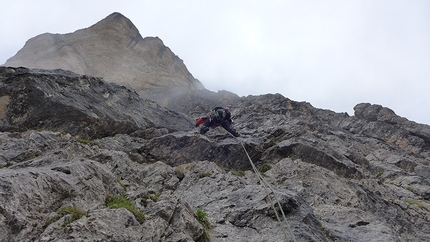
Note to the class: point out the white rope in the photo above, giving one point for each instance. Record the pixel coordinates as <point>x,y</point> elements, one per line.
<point>265,186</point>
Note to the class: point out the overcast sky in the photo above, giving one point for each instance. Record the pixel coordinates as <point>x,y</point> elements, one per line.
<point>333,54</point>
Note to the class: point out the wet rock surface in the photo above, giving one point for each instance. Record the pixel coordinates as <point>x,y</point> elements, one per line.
<point>75,141</point>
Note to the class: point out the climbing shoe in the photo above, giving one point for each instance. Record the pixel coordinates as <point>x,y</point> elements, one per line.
<point>204,129</point>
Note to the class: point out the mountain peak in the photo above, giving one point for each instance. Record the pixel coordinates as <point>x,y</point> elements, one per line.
<point>117,23</point>
<point>115,15</point>
<point>112,49</point>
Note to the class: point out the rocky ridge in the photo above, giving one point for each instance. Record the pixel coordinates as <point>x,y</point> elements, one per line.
<point>74,141</point>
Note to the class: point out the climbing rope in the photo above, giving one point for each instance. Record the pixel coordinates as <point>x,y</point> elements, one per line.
<point>266,186</point>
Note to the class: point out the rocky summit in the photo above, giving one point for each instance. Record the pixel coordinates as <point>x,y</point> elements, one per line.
<point>114,50</point>
<point>83,159</point>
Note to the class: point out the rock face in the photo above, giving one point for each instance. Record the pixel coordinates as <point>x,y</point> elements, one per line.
<point>114,50</point>
<point>81,105</point>
<point>70,144</point>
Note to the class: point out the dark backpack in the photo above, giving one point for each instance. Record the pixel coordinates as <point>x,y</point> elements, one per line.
<point>217,114</point>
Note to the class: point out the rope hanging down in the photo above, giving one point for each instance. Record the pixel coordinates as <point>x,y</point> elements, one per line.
<point>266,185</point>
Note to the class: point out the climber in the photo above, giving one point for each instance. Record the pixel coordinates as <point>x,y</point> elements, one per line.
<point>218,116</point>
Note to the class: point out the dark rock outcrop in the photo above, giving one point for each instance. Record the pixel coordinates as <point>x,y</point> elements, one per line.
<point>81,105</point>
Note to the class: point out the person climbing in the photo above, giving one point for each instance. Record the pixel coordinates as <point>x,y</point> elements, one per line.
<point>218,116</point>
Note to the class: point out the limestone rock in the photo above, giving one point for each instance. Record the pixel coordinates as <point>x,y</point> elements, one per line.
<point>381,122</point>
<point>336,177</point>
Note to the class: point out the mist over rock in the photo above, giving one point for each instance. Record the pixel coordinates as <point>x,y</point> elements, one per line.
<point>114,50</point>
<point>72,143</point>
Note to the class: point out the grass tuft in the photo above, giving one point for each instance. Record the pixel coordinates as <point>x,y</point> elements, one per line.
<point>205,174</point>
<point>238,172</point>
<point>87,141</point>
<point>76,213</point>
<point>179,174</point>
<point>122,202</point>
<point>121,184</point>
<point>264,167</point>
<point>203,220</point>
<point>152,196</point>
<point>418,203</point>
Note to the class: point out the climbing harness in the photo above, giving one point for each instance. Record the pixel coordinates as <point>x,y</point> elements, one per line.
<point>267,186</point>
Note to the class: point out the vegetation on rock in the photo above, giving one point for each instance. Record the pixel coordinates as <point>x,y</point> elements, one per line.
<point>121,202</point>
